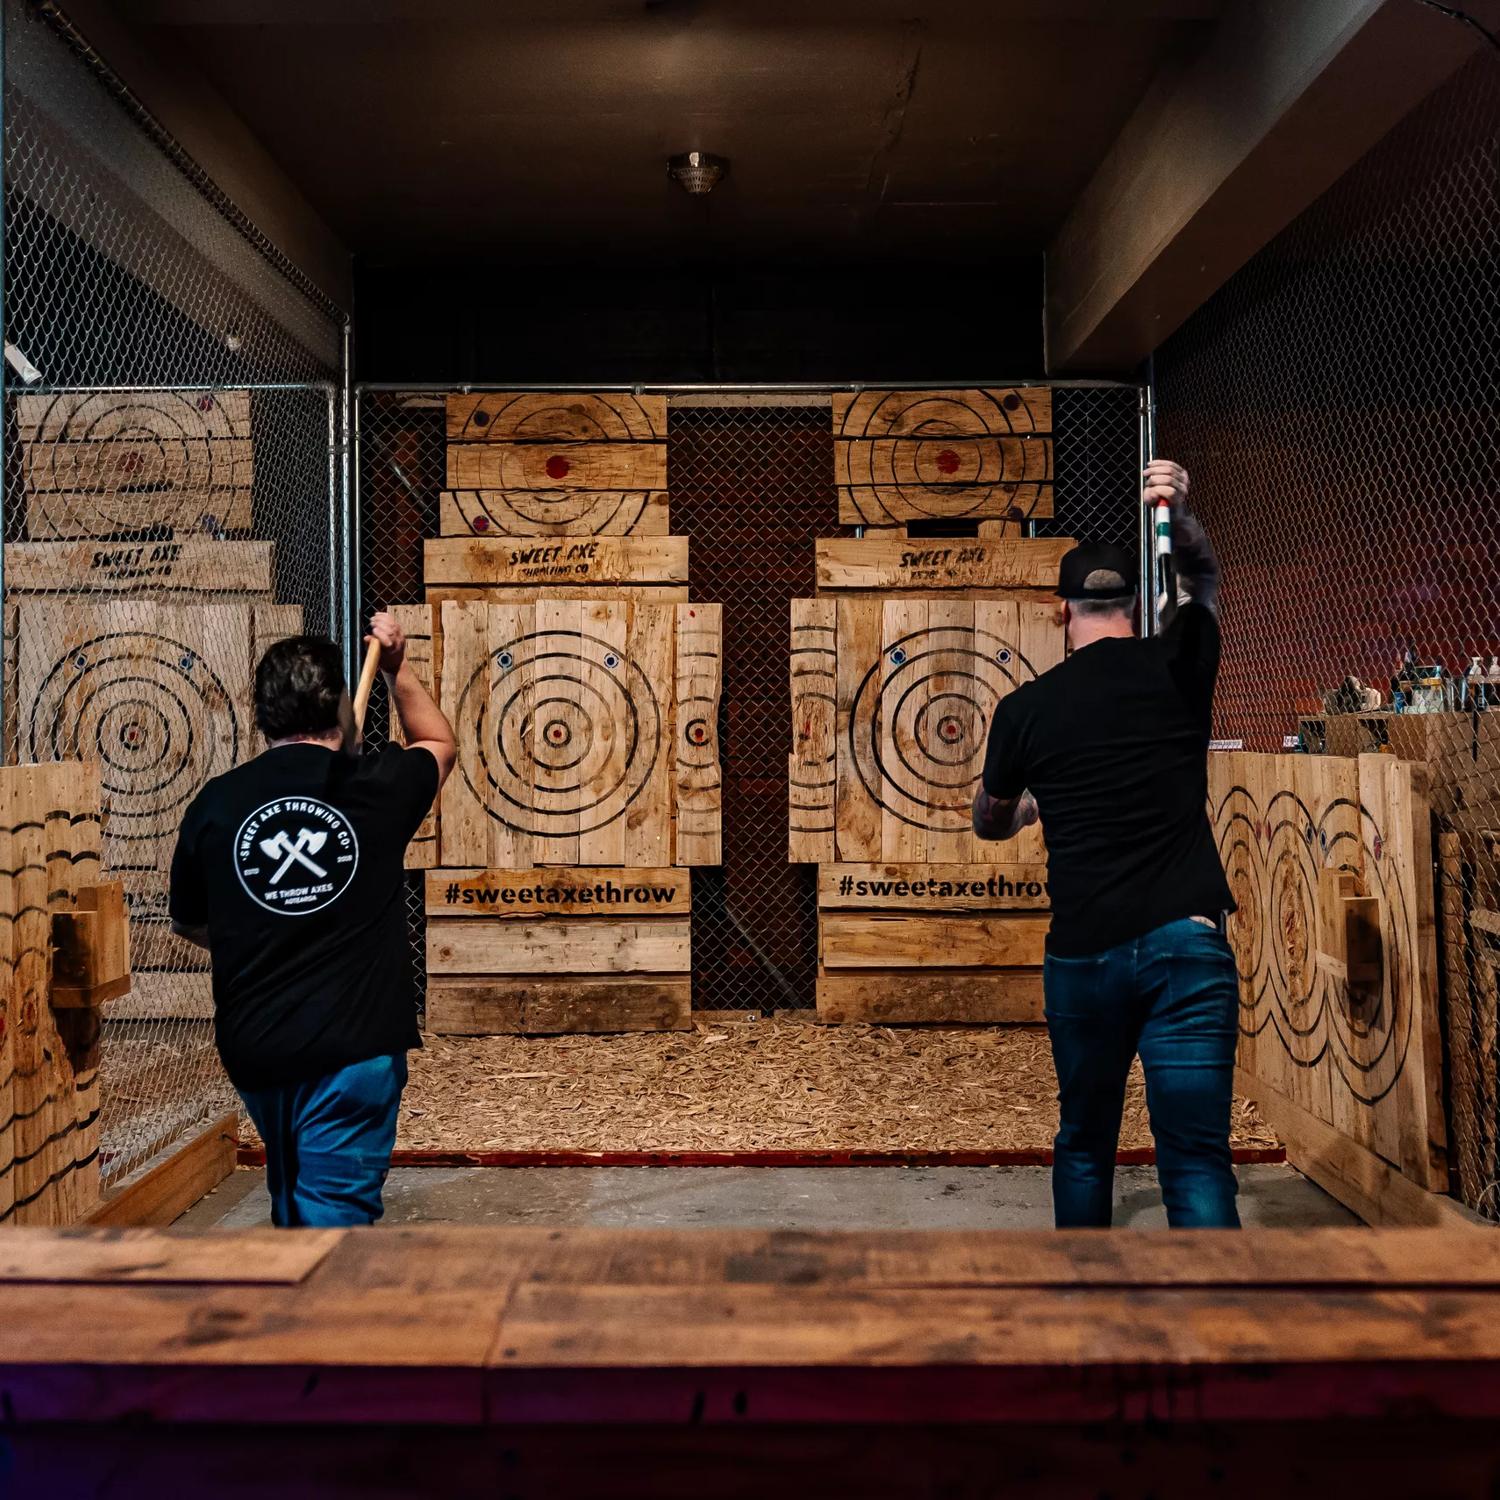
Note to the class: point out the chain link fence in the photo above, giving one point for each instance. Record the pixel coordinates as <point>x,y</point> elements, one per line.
<point>750,480</point>
<point>1338,404</point>
<point>172,503</point>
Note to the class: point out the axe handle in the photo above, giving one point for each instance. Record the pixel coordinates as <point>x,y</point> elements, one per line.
<point>366,684</point>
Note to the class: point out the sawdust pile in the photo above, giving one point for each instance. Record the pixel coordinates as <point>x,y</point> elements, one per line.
<point>746,1085</point>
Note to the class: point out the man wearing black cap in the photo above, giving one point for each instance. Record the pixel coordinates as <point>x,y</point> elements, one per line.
<point>1109,749</point>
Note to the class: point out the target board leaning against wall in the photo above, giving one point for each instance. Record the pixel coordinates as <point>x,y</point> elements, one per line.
<point>1329,860</point>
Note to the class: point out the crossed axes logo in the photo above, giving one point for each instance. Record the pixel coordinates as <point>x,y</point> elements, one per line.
<point>309,841</point>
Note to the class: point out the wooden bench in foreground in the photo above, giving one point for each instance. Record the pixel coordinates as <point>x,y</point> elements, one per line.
<point>463,1361</point>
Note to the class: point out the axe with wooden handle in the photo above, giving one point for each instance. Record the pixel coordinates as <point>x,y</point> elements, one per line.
<point>366,685</point>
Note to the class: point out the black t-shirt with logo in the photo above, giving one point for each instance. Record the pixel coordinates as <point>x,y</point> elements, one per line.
<point>1113,744</point>
<point>293,861</point>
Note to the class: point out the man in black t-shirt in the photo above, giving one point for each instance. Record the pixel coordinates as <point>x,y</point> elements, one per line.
<point>288,869</point>
<point>1109,751</point>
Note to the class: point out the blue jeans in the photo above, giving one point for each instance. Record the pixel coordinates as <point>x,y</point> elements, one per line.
<point>328,1142</point>
<point>1172,996</point>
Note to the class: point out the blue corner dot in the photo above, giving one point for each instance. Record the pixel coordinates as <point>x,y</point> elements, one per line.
<point>1003,656</point>
<point>611,661</point>
<point>507,660</point>
<point>898,657</point>
<point>80,660</point>
<point>186,661</point>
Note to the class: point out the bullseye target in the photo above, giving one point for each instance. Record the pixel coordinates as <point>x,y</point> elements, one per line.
<point>555,464</point>
<point>587,733</point>
<point>158,719</point>
<point>568,730</point>
<point>156,694</point>
<point>892,702</point>
<point>920,718</point>
<point>109,463</point>
<point>921,455</point>
<point>1293,996</point>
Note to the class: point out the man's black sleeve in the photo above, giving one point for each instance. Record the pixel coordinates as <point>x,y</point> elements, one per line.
<point>187,896</point>
<point>1004,767</point>
<point>411,786</point>
<point>1192,646</point>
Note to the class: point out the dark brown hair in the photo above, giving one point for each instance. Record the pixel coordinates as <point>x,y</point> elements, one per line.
<point>298,685</point>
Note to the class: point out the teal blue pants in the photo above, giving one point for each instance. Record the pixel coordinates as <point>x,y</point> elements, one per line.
<point>329,1141</point>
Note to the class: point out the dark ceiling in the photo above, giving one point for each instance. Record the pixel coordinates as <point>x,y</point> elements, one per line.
<point>855,129</point>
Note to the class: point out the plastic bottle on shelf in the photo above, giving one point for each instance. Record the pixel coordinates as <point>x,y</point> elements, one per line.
<point>1476,695</point>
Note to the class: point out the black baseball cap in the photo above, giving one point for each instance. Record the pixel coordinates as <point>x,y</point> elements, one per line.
<point>1095,557</point>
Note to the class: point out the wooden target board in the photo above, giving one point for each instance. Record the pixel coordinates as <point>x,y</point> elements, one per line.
<point>1329,860</point>
<point>574,745</point>
<point>891,705</point>
<point>902,456</point>
<point>555,464</point>
<point>103,464</point>
<point>159,695</point>
<point>584,690</point>
<point>896,670</point>
<point>49,1059</point>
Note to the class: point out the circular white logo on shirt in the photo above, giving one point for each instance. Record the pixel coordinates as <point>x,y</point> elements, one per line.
<point>296,855</point>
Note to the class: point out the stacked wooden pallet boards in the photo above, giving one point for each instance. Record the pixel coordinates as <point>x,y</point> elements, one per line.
<point>138,606</point>
<point>965,455</point>
<point>896,668</point>
<point>1329,860</point>
<point>583,685</point>
<point>63,952</point>
<point>104,464</point>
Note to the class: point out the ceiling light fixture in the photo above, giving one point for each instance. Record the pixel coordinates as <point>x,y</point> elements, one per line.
<point>696,172</point>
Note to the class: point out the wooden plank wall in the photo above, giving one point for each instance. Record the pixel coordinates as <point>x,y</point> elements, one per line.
<point>1330,863</point>
<point>584,688</point>
<point>49,1059</point>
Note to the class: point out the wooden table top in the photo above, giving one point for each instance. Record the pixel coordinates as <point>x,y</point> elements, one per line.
<point>472,1325</point>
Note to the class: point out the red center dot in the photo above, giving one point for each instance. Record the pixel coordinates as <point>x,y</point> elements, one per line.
<point>481,523</point>
<point>557,467</point>
<point>949,730</point>
<point>947,461</point>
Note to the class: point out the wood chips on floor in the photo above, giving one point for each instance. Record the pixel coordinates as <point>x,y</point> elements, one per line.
<point>751,1085</point>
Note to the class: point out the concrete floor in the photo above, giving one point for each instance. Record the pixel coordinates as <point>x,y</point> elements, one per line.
<point>768,1198</point>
